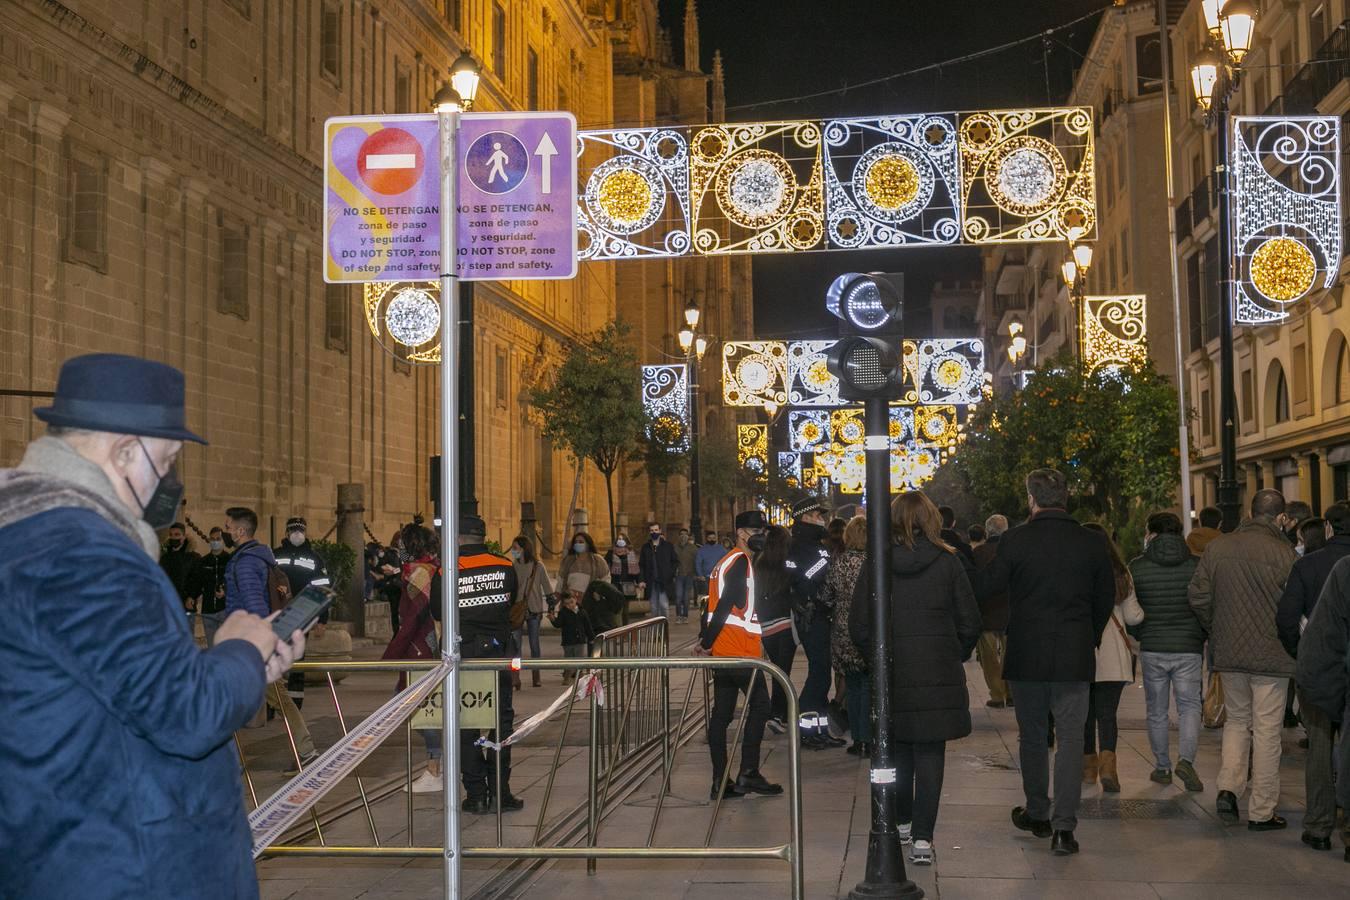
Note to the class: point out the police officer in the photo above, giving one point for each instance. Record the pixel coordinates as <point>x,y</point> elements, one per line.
<point>807,564</point>
<point>487,587</point>
<point>303,567</point>
<point>730,628</point>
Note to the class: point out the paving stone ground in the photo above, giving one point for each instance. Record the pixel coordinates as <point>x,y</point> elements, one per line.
<point>1147,842</point>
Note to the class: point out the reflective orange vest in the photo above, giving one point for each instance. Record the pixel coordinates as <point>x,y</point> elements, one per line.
<point>740,635</point>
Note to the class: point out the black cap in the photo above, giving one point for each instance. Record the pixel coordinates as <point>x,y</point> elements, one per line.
<point>295,523</point>
<point>472,526</point>
<point>809,505</point>
<point>751,518</point>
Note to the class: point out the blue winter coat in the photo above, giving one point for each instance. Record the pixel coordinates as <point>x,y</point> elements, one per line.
<point>117,775</point>
<point>246,579</point>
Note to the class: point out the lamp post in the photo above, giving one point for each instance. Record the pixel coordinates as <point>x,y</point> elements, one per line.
<point>694,346</point>
<point>449,103</point>
<point>1075,270</point>
<point>465,74</point>
<point>1214,77</point>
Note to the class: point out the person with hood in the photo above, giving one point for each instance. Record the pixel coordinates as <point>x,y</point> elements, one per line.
<point>1200,538</point>
<point>117,752</point>
<point>1297,605</point>
<point>1236,592</point>
<point>935,624</point>
<point>603,603</point>
<point>808,564</point>
<point>1171,640</point>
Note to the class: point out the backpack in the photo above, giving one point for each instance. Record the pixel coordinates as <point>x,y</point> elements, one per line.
<point>278,588</point>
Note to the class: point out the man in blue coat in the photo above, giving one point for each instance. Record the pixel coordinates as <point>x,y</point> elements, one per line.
<point>119,777</point>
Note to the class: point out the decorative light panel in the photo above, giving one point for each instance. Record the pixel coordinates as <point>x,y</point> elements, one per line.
<point>405,317</point>
<point>809,380</point>
<point>1027,175</point>
<point>892,181</point>
<point>752,445</point>
<point>1112,330</point>
<point>634,196</point>
<point>1285,177</point>
<point>944,371</point>
<point>754,373</point>
<point>756,188</point>
<point>936,426</point>
<point>808,429</point>
<point>790,468</point>
<point>665,398</point>
<point>913,467</point>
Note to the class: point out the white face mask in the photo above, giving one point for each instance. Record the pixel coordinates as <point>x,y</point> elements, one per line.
<point>217,546</point>
<point>296,538</point>
<point>620,543</point>
<point>579,548</point>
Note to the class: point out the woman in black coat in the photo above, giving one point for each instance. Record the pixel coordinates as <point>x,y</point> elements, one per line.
<point>935,624</point>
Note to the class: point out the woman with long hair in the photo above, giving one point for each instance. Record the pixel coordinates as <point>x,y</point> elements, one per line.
<point>848,659</point>
<point>622,560</point>
<point>935,625</point>
<point>416,637</point>
<point>773,605</point>
<point>582,557</point>
<point>531,600</point>
<point>1115,669</point>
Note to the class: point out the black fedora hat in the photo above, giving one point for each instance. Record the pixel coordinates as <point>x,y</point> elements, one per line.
<point>120,394</point>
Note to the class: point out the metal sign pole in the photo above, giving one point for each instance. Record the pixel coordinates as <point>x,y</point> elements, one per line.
<point>448,124</point>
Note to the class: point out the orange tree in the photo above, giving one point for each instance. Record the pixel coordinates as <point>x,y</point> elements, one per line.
<point>1112,434</point>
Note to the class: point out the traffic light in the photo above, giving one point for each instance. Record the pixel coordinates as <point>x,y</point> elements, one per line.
<point>866,360</point>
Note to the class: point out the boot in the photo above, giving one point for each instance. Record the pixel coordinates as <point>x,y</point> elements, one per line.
<point>1110,780</point>
<point>1089,768</point>
<point>535,679</point>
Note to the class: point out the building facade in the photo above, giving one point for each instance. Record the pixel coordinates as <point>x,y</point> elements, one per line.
<point>162,194</point>
<point>1292,378</point>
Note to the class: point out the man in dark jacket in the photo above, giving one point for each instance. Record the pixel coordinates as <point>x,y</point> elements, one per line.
<point>246,588</point>
<point>1323,658</point>
<point>120,777</point>
<point>303,567</point>
<point>1170,641</point>
<point>206,585</point>
<point>487,588</point>
<point>1235,592</point>
<point>177,559</point>
<point>1297,604</point>
<point>953,537</point>
<point>657,565</point>
<point>1061,592</point>
<point>808,564</point>
<point>993,616</point>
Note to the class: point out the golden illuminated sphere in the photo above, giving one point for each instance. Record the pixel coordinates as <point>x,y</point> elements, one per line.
<point>950,373</point>
<point>625,196</point>
<point>891,182</point>
<point>818,375</point>
<point>1283,269</point>
<point>896,428</point>
<point>811,432</point>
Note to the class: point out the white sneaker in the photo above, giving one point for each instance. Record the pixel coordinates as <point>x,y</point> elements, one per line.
<point>906,831</point>
<point>921,853</point>
<point>426,783</point>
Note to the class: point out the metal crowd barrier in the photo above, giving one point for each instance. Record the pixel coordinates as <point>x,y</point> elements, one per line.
<point>638,709</point>
<point>600,776</point>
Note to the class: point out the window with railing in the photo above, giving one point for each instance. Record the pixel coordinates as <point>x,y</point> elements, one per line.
<point>1329,66</point>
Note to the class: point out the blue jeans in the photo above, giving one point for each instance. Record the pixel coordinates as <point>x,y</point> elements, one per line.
<point>1179,672</point>
<point>858,701</point>
<point>684,592</point>
<point>659,598</point>
<point>532,634</point>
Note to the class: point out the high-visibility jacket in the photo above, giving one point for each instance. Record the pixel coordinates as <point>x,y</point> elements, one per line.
<point>740,635</point>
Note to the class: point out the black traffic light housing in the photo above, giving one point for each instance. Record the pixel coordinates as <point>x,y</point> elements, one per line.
<point>867,358</point>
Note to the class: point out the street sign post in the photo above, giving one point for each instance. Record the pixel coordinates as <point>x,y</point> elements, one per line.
<point>516,202</point>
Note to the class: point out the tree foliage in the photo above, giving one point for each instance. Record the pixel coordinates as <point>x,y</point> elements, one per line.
<point>1113,435</point>
<point>591,406</point>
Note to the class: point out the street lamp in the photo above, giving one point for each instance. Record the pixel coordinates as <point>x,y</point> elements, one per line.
<point>464,77</point>
<point>693,345</point>
<point>1017,344</point>
<point>1214,78</point>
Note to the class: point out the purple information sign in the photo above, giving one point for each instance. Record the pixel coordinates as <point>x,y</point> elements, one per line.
<point>517,196</point>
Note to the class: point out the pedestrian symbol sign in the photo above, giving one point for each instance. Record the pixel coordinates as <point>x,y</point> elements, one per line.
<point>516,188</point>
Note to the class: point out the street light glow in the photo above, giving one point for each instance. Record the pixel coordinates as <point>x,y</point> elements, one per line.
<point>686,339</point>
<point>1070,272</point>
<point>691,315</point>
<point>1204,78</point>
<point>1238,19</point>
<point>1211,10</point>
<point>448,100</point>
<point>1082,254</point>
<point>464,78</point>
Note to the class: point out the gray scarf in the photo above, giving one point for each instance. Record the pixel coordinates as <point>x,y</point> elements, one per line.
<point>53,475</point>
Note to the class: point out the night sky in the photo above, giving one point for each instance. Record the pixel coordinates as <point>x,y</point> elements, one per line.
<point>774,49</point>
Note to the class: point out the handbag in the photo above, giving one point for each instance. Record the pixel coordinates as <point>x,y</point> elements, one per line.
<point>522,606</point>
<point>1213,712</point>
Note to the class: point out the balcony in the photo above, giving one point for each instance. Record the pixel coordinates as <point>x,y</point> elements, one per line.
<point>1202,201</point>
<point>1184,219</point>
<point>1312,83</point>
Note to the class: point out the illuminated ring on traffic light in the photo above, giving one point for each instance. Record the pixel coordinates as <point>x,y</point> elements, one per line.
<point>865,302</point>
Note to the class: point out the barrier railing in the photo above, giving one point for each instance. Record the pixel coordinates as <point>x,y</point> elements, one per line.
<point>688,723</point>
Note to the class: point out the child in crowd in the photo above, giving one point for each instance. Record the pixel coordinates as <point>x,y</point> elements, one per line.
<point>577,631</point>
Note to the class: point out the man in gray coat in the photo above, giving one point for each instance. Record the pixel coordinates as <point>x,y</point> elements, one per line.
<point>1235,593</point>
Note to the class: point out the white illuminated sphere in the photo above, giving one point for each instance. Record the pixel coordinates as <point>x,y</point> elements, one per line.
<point>757,188</point>
<point>413,317</point>
<point>1026,177</point>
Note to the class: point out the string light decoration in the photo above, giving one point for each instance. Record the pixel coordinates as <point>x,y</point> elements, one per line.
<point>790,468</point>
<point>634,193</point>
<point>808,429</point>
<point>665,399</point>
<point>944,371</point>
<point>405,317</point>
<point>1027,175</point>
<point>809,380</point>
<point>754,373</point>
<point>756,188</point>
<point>752,448</point>
<point>1285,178</point>
<point>892,181</point>
<point>1113,331</point>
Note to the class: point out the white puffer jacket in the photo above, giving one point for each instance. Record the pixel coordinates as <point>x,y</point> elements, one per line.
<point>1115,659</point>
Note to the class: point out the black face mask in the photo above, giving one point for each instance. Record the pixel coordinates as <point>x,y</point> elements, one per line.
<point>756,542</point>
<point>161,509</point>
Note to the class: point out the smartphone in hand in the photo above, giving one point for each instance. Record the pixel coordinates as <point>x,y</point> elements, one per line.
<point>302,611</point>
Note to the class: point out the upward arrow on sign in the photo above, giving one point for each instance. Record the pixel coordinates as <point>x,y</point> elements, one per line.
<point>546,151</point>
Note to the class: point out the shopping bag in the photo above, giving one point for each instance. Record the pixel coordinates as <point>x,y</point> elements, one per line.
<point>1214,712</point>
